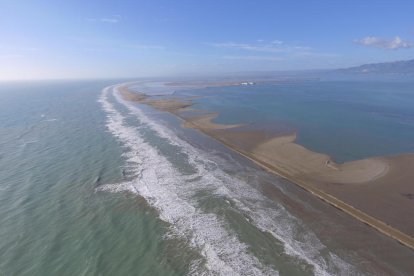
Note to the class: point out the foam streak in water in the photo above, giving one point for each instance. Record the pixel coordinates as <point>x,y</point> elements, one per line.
<point>164,189</point>
<point>167,191</point>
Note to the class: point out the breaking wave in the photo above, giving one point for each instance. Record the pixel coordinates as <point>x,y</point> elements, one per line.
<point>174,195</point>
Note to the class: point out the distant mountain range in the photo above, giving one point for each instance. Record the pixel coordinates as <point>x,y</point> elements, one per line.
<point>396,67</point>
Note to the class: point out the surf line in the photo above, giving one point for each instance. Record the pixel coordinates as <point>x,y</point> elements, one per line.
<point>363,217</point>
<point>379,225</point>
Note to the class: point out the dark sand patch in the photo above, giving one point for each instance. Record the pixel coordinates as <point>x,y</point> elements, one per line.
<point>373,190</point>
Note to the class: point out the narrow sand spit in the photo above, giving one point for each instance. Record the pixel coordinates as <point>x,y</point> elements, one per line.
<point>295,159</point>
<point>377,191</point>
<point>206,122</point>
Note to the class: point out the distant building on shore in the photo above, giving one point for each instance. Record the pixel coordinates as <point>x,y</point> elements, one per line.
<point>248,83</point>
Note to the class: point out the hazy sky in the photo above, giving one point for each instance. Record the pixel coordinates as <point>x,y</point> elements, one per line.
<point>90,38</point>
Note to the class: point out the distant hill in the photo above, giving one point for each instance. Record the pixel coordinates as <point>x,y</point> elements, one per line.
<point>396,67</point>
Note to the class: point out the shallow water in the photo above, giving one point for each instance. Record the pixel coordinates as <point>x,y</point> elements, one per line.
<point>93,185</point>
<point>348,120</point>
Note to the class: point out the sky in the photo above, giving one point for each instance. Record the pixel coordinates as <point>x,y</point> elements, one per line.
<point>132,38</point>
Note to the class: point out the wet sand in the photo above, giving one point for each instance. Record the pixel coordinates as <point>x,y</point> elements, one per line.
<point>206,122</point>
<point>377,191</point>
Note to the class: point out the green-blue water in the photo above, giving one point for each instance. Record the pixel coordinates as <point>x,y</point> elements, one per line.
<point>346,119</point>
<point>93,185</point>
<point>54,152</point>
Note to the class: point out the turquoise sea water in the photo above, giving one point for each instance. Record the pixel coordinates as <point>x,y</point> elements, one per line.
<point>93,185</point>
<point>346,119</point>
<point>54,152</point>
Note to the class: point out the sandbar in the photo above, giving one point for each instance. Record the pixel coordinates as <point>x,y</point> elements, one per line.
<point>378,191</point>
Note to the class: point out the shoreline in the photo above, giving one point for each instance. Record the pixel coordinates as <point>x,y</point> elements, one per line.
<point>277,155</point>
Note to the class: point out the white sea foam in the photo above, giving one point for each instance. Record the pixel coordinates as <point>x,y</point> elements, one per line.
<point>170,192</point>
<point>165,189</point>
<point>26,143</point>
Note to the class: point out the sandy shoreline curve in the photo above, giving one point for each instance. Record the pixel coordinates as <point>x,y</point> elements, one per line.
<point>376,191</point>
<point>297,160</point>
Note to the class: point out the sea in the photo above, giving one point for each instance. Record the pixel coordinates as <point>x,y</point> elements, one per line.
<point>91,184</point>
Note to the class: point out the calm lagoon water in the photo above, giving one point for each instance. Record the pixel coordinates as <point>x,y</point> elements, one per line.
<point>93,185</point>
<point>346,119</point>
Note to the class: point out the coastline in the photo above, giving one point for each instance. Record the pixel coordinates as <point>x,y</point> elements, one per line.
<point>313,172</point>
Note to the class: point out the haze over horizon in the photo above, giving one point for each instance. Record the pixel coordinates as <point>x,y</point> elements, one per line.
<point>111,39</point>
<point>206,137</point>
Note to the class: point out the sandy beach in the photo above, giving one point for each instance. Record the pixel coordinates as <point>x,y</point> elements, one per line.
<point>373,190</point>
